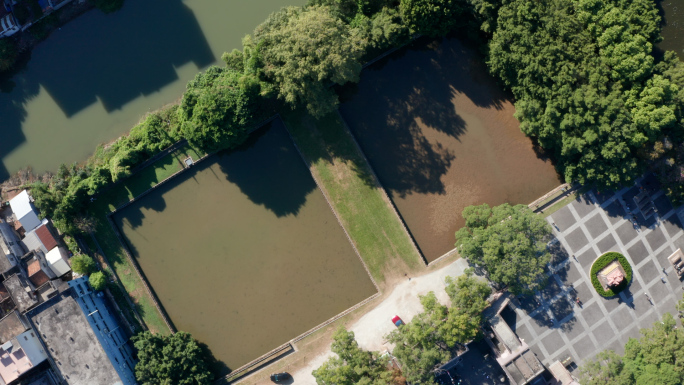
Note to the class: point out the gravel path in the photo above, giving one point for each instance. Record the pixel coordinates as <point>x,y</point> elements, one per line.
<point>374,325</point>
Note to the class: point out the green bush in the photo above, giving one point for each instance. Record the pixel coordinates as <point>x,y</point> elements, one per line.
<point>83,264</point>
<point>98,280</point>
<point>604,261</point>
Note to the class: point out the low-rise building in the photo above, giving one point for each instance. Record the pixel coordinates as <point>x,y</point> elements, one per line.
<point>40,238</point>
<point>21,350</point>
<point>57,261</point>
<point>21,292</point>
<point>10,246</point>
<point>8,23</point>
<point>84,338</point>
<point>24,211</point>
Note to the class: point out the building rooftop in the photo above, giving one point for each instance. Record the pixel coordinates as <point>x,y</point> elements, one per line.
<point>11,326</point>
<point>19,355</point>
<point>56,259</point>
<point>17,289</point>
<point>36,275</point>
<point>9,245</point>
<point>46,238</point>
<point>23,210</point>
<point>72,342</point>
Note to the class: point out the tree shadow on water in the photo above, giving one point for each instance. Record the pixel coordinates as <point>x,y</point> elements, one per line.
<point>402,97</point>
<point>111,59</point>
<point>269,170</point>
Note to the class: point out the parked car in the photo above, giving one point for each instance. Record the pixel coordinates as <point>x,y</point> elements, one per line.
<point>279,377</point>
<point>397,321</point>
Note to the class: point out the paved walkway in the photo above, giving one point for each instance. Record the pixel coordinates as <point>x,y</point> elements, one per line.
<point>554,326</point>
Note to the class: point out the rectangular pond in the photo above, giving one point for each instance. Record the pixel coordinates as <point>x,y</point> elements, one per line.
<point>441,136</point>
<point>243,250</point>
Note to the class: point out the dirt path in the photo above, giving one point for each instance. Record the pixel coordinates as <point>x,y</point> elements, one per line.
<point>376,323</point>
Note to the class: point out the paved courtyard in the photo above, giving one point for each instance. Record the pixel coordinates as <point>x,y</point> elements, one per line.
<point>553,325</point>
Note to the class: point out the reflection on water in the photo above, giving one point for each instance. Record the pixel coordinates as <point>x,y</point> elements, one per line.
<point>441,136</point>
<point>92,80</point>
<point>243,251</point>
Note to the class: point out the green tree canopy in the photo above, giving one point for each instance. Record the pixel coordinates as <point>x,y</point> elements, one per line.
<point>83,264</point>
<point>98,280</point>
<point>656,358</point>
<point>507,242</point>
<point>173,359</point>
<point>353,365</point>
<point>433,17</point>
<point>302,51</point>
<point>420,345</point>
<point>433,335</point>
<point>582,75</point>
<point>218,108</point>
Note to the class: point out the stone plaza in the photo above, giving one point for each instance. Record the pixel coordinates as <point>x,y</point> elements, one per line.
<point>553,325</point>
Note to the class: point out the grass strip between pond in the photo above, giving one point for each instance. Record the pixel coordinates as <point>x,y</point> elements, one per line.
<point>111,247</point>
<point>343,173</point>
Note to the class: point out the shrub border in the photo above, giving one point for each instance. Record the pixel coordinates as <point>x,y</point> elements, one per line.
<point>604,260</point>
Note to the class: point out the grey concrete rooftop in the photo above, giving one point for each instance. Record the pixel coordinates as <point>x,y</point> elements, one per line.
<point>72,343</point>
<point>553,325</point>
<point>16,286</point>
<point>11,326</point>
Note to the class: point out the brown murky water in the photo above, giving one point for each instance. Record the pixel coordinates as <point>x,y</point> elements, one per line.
<point>243,251</point>
<point>672,12</point>
<point>441,136</point>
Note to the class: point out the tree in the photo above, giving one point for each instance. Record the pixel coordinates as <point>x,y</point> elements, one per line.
<point>433,17</point>
<point>655,358</point>
<point>83,264</point>
<point>218,108</point>
<point>302,51</point>
<point>382,31</point>
<point>8,54</point>
<point>582,76</point>
<point>98,280</point>
<point>468,296</point>
<point>173,359</point>
<point>507,242</point>
<point>354,365</point>
<point>420,345</point>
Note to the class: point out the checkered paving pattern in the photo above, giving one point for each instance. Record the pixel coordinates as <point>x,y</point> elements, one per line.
<point>553,325</point>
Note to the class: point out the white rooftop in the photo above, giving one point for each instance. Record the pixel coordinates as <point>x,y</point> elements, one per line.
<point>23,211</point>
<point>57,264</point>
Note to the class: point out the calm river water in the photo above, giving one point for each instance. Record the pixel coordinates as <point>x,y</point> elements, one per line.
<point>243,251</point>
<point>92,80</point>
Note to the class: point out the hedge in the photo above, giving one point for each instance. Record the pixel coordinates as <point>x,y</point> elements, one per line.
<point>604,261</point>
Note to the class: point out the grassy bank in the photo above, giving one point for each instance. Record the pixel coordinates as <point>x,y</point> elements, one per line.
<point>111,247</point>
<point>345,176</point>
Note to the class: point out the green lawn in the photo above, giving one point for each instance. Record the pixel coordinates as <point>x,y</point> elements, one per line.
<point>345,176</point>
<point>106,238</point>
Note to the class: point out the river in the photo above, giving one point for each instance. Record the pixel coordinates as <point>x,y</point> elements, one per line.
<point>94,79</point>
